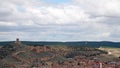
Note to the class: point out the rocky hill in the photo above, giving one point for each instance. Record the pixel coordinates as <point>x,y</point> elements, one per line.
<point>18,54</point>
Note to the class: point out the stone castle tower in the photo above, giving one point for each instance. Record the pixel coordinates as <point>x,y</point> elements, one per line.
<point>17,42</point>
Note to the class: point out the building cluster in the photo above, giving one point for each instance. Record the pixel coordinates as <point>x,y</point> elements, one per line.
<point>39,49</point>
<point>76,62</point>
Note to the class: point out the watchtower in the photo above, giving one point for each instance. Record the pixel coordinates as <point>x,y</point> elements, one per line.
<point>17,42</point>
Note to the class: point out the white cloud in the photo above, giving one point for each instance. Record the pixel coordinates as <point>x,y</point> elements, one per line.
<point>101,7</point>
<point>7,23</point>
<point>80,20</point>
<point>59,15</point>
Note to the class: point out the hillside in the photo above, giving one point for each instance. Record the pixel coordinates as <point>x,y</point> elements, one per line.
<point>35,54</point>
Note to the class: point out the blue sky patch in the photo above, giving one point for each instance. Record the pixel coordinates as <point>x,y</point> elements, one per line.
<point>21,8</point>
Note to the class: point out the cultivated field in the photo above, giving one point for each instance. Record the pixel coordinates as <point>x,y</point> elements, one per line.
<point>112,51</point>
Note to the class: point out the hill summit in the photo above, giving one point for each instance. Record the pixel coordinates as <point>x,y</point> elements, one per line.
<point>19,55</point>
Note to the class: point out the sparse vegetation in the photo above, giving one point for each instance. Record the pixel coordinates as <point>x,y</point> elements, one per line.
<point>31,55</point>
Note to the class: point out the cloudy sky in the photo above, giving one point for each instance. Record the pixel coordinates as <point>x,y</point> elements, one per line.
<point>60,20</point>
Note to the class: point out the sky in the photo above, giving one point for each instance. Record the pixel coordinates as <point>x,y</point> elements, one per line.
<point>60,20</point>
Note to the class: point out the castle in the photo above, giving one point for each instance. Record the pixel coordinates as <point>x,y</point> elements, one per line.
<point>17,42</point>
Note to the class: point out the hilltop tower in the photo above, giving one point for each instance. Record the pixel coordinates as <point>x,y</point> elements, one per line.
<point>17,42</point>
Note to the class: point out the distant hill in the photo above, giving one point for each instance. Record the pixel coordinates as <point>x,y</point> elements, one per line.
<point>81,43</point>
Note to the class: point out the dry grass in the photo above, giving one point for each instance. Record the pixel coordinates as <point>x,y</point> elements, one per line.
<point>114,51</point>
